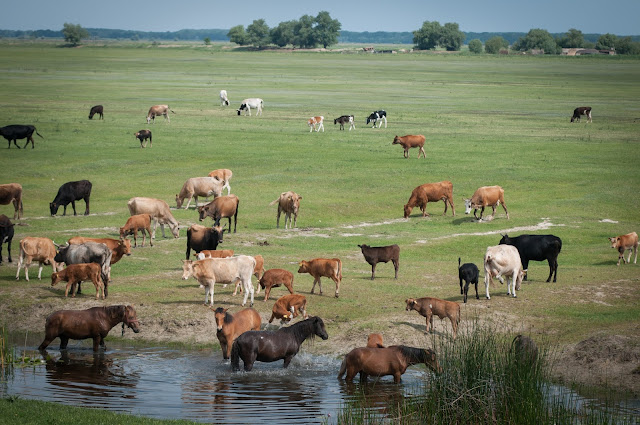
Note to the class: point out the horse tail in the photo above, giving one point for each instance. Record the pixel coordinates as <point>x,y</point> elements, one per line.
<point>343,368</point>
<point>235,356</point>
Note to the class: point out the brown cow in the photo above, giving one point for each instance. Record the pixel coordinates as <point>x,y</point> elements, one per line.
<point>12,192</point>
<point>118,247</point>
<point>319,267</point>
<point>213,253</point>
<point>273,278</point>
<point>134,223</point>
<point>224,175</point>
<point>143,135</point>
<point>221,207</point>
<point>411,141</point>
<point>42,250</point>
<point>428,307</point>
<point>76,273</point>
<point>287,307</point>
<point>289,203</point>
<point>624,242</point>
<point>430,192</point>
<point>158,110</point>
<point>483,197</point>
<point>381,254</point>
<point>375,341</point>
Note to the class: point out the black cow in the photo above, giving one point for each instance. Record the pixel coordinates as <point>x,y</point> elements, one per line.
<point>537,248</point>
<point>6,234</point>
<point>582,110</point>
<point>381,254</point>
<point>98,109</point>
<point>16,132</point>
<point>71,192</point>
<point>201,237</point>
<point>469,273</point>
<point>143,135</point>
<point>345,119</point>
<point>88,252</point>
<point>376,116</point>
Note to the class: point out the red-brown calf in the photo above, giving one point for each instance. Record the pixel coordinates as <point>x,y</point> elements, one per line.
<point>430,192</point>
<point>428,307</point>
<point>318,267</point>
<point>411,141</point>
<point>137,222</point>
<point>287,307</point>
<point>273,278</point>
<point>76,273</point>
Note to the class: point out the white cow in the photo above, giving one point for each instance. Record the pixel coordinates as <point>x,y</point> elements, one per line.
<point>503,260</point>
<point>199,186</point>
<point>224,100</point>
<point>247,104</point>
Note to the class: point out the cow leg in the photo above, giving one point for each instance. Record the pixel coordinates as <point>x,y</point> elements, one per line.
<point>267,291</point>
<point>421,151</point>
<point>86,203</point>
<point>373,271</point>
<point>295,219</point>
<point>337,286</point>
<point>429,321</point>
<point>525,267</point>
<point>635,257</point>
<point>551,269</point>
<point>278,219</point>
<point>396,265</point>
<point>73,204</point>
<point>189,203</point>
<point>15,143</point>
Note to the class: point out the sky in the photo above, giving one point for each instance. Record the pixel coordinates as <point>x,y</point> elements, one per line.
<point>620,17</point>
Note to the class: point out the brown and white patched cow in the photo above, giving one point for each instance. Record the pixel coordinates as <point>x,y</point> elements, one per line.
<point>486,196</point>
<point>319,267</point>
<point>430,192</point>
<point>624,242</point>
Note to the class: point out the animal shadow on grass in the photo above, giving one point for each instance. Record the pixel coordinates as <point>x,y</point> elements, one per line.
<point>422,326</point>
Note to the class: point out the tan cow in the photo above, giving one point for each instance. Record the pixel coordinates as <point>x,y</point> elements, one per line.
<point>318,267</point>
<point>118,247</point>
<point>429,307</point>
<point>258,271</point>
<point>503,260</point>
<point>411,141</point>
<point>430,192</point>
<point>289,203</point>
<point>42,250</point>
<point>486,196</point>
<point>287,307</point>
<point>316,123</point>
<point>158,110</point>
<point>158,210</point>
<point>141,222</point>
<point>273,278</point>
<point>213,253</point>
<point>224,175</point>
<point>76,273</point>
<point>12,192</point>
<point>624,242</point>
<point>221,207</point>
<point>199,186</point>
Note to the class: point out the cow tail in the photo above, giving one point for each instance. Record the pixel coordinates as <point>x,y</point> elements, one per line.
<point>343,368</point>
<point>38,133</point>
<point>340,270</point>
<point>235,356</point>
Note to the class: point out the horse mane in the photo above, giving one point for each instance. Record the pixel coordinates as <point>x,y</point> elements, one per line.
<point>418,355</point>
<point>116,311</point>
<point>303,329</point>
<point>227,317</point>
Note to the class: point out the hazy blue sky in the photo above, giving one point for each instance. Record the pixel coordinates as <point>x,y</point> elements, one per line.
<point>621,17</point>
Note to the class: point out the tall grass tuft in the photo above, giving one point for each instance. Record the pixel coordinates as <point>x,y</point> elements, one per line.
<point>6,355</point>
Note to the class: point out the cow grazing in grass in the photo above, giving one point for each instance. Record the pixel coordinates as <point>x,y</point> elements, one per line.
<point>219,208</point>
<point>16,132</point>
<point>289,203</point>
<point>345,119</point>
<point>76,273</point>
<point>316,123</point>
<point>118,247</point>
<point>582,110</point>
<point>71,192</point>
<point>536,248</point>
<point>141,222</point>
<point>224,100</point>
<point>42,250</point>
<point>6,234</point>
<point>486,196</point>
<point>143,136</point>
<point>201,238</point>
<point>254,102</point>
<point>98,109</point>
<point>381,254</point>
<point>429,307</point>
<point>323,267</point>
<point>273,278</point>
<point>430,192</point>
<point>157,111</point>
<point>12,193</point>
<point>377,117</point>
<point>503,260</point>
<point>411,141</point>
<point>622,243</point>
<point>287,308</point>
<point>159,211</point>
<point>199,186</point>
<point>224,175</point>
<point>469,273</point>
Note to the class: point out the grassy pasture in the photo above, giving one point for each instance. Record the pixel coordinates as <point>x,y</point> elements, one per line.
<point>487,120</point>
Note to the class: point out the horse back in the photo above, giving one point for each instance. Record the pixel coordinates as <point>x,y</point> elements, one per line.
<point>78,324</point>
<point>375,361</point>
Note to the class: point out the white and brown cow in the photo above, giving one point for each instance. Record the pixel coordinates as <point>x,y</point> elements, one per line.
<point>316,123</point>
<point>158,110</point>
<point>486,196</point>
<point>624,242</point>
<point>503,260</point>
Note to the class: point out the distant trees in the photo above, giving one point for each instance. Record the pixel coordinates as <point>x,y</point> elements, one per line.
<point>238,35</point>
<point>432,34</point>
<point>573,38</point>
<point>537,39</point>
<point>73,34</point>
<point>475,46</point>
<point>495,44</point>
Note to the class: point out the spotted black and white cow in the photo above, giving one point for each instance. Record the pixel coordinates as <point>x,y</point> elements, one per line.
<point>378,116</point>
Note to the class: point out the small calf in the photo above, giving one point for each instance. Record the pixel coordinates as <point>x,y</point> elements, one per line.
<point>316,123</point>
<point>76,273</point>
<point>582,110</point>
<point>137,222</point>
<point>381,254</point>
<point>287,307</point>
<point>428,307</point>
<point>375,341</point>
<point>143,135</point>
<point>273,278</point>
<point>213,253</point>
<point>469,273</point>
<point>624,242</point>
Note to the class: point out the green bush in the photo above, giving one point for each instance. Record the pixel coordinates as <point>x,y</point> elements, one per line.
<point>475,46</point>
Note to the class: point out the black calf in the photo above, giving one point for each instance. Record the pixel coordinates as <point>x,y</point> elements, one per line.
<point>469,273</point>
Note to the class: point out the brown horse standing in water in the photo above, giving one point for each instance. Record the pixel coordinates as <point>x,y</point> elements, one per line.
<point>393,360</point>
<point>229,327</point>
<point>95,322</point>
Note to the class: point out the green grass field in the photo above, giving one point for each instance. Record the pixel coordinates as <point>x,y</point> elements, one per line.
<point>488,120</point>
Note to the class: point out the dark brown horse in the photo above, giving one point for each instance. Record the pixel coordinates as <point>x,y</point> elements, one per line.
<point>393,360</point>
<point>270,346</point>
<point>95,322</point>
<point>229,327</point>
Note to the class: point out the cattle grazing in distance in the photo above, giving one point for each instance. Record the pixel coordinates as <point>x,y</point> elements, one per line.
<point>159,211</point>
<point>323,267</point>
<point>71,192</point>
<point>118,247</point>
<point>219,208</point>
<point>287,308</point>
<point>12,193</point>
<point>6,235</point>
<point>375,341</point>
<point>503,260</point>
<point>141,222</point>
<point>229,326</point>
<point>429,307</point>
<point>15,132</point>
<point>469,273</point>
<point>345,119</point>
<point>316,123</point>
<point>582,110</point>
<point>378,117</point>
<point>622,243</point>
<point>212,253</point>
<point>98,109</point>
<point>198,186</point>
<point>381,254</point>
<point>143,135</point>
<point>536,248</point>
<point>201,238</point>
<point>486,196</point>
<point>75,274</point>
<point>430,192</point>
<point>289,203</point>
<point>411,141</point>
<point>254,102</point>
<point>157,111</point>
<point>88,252</point>
<point>224,175</point>
<point>273,278</point>
<point>224,100</point>
<point>42,250</point>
